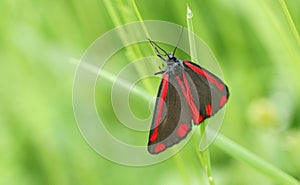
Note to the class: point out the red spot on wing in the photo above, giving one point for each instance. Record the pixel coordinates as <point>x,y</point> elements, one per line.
<point>160,147</point>
<point>199,120</point>
<point>206,75</point>
<point>223,100</point>
<point>208,109</point>
<point>164,91</point>
<point>182,130</point>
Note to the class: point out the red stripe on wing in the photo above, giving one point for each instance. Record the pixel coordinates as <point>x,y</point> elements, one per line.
<point>164,91</point>
<point>185,88</point>
<point>203,73</point>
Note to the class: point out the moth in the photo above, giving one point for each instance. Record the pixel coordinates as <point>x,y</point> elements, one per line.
<point>188,94</point>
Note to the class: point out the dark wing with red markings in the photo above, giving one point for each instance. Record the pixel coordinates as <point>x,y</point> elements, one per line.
<point>185,94</point>
<point>212,93</point>
<point>171,121</point>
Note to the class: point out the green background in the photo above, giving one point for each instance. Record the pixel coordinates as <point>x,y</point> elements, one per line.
<point>41,43</point>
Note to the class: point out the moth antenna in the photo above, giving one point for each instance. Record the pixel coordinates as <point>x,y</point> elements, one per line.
<point>180,37</point>
<point>155,46</point>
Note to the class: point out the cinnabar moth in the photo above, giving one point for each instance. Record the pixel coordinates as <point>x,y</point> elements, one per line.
<point>187,93</point>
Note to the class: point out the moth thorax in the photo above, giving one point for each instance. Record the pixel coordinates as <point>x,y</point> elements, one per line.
<point>175,69</point>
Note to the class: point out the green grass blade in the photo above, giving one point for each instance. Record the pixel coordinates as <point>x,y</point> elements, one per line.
<point>290,20</point>
<point>240,153</point>
<point>193,51</point>
<point>204,156</point>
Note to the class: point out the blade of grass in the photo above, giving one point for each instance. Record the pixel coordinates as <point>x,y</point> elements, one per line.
<point>139,17</point>
<point>290,20</point>
<point>189,16</point>
<point>137,12</point>
<point>135,51</point>
<point>206,156</point>
<point>240,153</point>
<point>112,78</point>
<point>203,156</point>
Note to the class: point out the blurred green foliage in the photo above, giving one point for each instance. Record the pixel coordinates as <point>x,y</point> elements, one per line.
<point>41,43</point>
